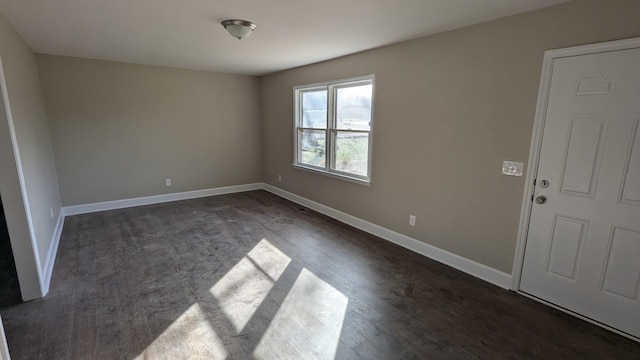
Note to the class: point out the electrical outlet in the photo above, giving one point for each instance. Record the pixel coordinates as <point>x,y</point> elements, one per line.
<point>412,220</point>
<point>167,182</point>
<point>279,178</point>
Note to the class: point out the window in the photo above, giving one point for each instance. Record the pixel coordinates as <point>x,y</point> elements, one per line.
<point>333,125</point>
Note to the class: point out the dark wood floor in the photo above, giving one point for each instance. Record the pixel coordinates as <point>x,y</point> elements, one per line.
<point>253,276</point>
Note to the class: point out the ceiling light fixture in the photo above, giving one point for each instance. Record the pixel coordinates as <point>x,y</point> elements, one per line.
<point>239,28</point>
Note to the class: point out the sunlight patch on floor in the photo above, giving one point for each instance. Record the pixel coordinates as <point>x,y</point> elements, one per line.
<point>241,291</point>
<point>308,323</point>
<point>190,336</point>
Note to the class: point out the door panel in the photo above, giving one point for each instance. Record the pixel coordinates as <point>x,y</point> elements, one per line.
<point>622,270</point>
<point>630,193</point>
<point>583,245</point>
<point>582,156</point>
<point>566,242</point>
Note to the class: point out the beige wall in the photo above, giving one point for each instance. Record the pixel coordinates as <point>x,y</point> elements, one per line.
<point>27,208</point>
<point>449,109</point>
<point>119,130</point>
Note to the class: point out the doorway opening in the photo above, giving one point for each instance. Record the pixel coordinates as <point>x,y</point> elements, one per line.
<point>9,286</point>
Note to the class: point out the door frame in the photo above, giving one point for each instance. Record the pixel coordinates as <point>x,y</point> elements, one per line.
<point>536,139</point>
<point>4,348</point>
<point>22,235</point>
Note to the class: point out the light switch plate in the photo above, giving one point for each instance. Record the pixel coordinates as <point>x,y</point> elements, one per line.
<point>512,168</point>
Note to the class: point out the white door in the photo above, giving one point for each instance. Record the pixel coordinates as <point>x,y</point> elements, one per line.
<point>583,246</point>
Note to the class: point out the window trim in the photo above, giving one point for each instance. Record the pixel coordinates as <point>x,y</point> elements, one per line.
<point>331,129</point>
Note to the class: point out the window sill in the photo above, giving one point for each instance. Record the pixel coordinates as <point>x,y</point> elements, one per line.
<point>333,175</point>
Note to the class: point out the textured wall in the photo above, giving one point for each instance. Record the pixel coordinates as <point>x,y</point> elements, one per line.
<point>119,130</point>
<point>449,109</point>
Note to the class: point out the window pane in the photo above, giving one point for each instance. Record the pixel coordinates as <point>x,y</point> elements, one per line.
<point>314,109</point>
<point>312,147</point>
<point>352,152</point>
<point>353,107</point>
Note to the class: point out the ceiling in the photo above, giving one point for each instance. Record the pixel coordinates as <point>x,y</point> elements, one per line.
<point>290,33</point>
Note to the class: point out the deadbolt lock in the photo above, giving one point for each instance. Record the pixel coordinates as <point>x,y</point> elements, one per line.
<point>544,183</point>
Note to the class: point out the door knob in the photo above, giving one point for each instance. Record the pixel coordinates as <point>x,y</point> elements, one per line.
<point>541,199</point>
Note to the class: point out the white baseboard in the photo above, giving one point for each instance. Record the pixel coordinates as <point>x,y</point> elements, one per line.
<point>156,199</point>
<point>470,267</point>
<point>45,281</point>
<point>51,255</point>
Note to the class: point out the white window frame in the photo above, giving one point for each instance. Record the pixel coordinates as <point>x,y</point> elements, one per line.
<point>332,130</point>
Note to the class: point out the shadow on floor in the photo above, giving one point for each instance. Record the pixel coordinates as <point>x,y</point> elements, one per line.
<point>253,276</point>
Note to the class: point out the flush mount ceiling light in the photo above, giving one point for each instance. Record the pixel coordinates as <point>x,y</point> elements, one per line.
<point>239,28</point>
